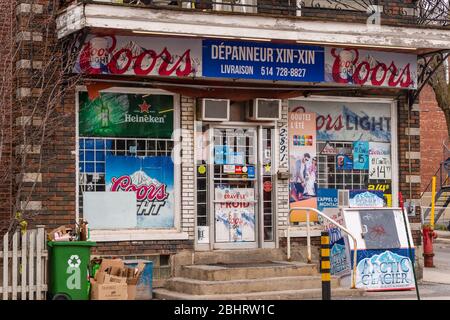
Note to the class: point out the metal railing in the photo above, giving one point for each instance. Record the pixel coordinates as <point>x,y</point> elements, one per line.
<point>308,237</point>
<point>421,12</point>
<point>442,180</point>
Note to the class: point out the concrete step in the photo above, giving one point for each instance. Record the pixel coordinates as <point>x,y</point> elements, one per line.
<point>304,294</point>
<point>202,287</point>
<point>241,256</point>
<point>222,272</point>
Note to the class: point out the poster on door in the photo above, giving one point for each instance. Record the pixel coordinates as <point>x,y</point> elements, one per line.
<point>152,180</point>
<point>235,214</point>
<point>302,160</point>
<point>380,167</point>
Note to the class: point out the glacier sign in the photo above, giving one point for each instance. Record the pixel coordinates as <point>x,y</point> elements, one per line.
<point>385,270</point>
<point>152,180</point>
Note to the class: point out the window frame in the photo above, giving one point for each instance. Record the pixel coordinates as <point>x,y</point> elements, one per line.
<point>394,130</point>
<point>136,234</point>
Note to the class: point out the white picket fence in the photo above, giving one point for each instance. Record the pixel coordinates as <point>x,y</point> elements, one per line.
<point>23,263</point>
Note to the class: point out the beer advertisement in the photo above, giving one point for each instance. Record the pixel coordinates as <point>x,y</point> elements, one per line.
<point>302,159</point>
<point>152,180</point>
<point>126,115</point>
<point>235,214</point>
<point>348,121</point>
<point>352,66</point>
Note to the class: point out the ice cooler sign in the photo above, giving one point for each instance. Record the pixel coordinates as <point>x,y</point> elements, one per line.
<point>383,258</point>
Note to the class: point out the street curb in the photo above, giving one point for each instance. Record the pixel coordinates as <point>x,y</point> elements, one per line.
<point>443,234</point>
<point>442,240</point>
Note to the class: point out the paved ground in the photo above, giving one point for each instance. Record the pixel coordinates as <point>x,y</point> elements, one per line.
<point>436,281</point>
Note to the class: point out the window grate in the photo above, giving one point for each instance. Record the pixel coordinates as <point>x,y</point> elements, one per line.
<point>92,158</point>
<point>331,178</point>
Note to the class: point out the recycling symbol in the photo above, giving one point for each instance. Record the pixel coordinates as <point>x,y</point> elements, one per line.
<point>74,261</point>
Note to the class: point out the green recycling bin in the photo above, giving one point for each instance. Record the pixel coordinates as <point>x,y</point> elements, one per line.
<point>69,269</point>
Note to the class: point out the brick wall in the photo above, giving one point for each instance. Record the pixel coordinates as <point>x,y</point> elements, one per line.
<point>53,201</point>
<point>434,132</point>
<point>409,158</point>
<point>6,84</point>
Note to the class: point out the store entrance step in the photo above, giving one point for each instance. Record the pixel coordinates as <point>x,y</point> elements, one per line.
<point>238,256</point>
<point>241,271</point>
<point>304,294</point>
<point>202,287</point>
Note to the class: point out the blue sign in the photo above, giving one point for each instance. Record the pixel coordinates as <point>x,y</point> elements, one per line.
<point>385,269</point>
<point>251,171</point>
<point>361,155</point>
<point>327,198</point>
<point>366,199</point>
<point>263,61</point>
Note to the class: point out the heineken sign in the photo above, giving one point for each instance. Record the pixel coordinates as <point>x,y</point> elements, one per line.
<point>126,115</point>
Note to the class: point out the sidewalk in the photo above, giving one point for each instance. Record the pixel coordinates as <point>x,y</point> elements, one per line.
<point>443,235</point>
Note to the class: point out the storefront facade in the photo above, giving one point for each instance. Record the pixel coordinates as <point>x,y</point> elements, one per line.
<point>192,155</point>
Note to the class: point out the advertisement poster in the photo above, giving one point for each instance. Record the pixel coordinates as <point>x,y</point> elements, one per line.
<point>348,121</point>
<point>233,59</point>
<point>371,68</point>
<point>327,198</point>
<point>328,203</point>
<point>152,180</point>
<point>380,167</point>
<point>366,199</point>
<point>140,56</point>
<point>344,162</point>
<point>263,61</point>
<point>126,115</point>
<point>379,270</point>
<point>361,155</point>
<point>226,156</point>
<point>302,159</point>
<point>386,188</point>
<point>235,214</point>
<point>383,257</point>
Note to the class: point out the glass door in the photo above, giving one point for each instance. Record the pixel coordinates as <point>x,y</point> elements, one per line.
<point>234,187</point>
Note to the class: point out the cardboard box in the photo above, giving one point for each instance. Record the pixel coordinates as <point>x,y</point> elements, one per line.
<point>109,291</point>
<point>61,233</point>
<point>113,281</point>
<point>109,267</point>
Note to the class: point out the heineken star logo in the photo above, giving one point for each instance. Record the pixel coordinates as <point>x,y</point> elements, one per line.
<point>144,107</point>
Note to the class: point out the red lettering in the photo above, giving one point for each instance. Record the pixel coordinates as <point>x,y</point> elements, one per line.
<point>138,64</point>
<point>321,121</point>
<point>144,192</point>
<point>169,64</point>
<point>112,65</point>
<point>363,74</point>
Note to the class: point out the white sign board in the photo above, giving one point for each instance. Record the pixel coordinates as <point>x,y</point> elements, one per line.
<point>383,256</point>
<point>110,210</point>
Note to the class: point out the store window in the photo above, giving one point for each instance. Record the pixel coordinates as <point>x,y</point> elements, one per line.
<point>126,170</point>
<point>340,150</point>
